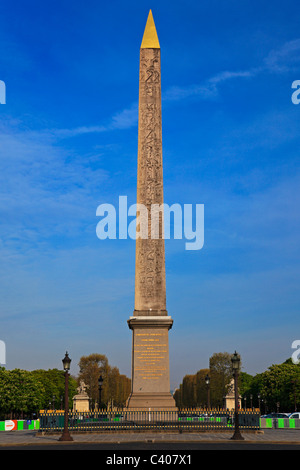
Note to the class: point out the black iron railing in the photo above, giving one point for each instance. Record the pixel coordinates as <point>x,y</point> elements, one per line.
<point>150,420</point>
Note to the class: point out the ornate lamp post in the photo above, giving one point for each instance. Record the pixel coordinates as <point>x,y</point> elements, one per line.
<point>236,363</point>
<point>66,364</point>
<point>100,382</point>
<point>207,381</point>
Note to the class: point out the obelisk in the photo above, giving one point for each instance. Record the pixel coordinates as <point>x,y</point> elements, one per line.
<point>150,322</point>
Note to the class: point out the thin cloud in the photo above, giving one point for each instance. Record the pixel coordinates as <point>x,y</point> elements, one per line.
<point>284,58</point>
<point>278,60</point>
<point>45,183</point>
<point>208,89</point>
<point>124,119</point>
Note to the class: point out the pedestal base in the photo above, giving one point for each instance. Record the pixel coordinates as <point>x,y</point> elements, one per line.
<point>154,401</point>
<point>150,363</point>
<point>81,403</point>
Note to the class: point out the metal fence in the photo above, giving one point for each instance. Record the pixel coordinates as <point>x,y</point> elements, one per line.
<point>150,420</point>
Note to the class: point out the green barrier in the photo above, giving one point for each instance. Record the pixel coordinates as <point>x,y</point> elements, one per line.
<point>22,425</point>
<point>279,423</point>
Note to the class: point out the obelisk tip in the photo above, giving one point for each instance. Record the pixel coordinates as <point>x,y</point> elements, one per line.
<point>150,39</point>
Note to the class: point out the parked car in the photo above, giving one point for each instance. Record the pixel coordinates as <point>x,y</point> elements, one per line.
<point>276,415</point>
<point>295,415</point>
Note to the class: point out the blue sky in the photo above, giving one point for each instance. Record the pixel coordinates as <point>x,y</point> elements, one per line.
<point>231,139</point>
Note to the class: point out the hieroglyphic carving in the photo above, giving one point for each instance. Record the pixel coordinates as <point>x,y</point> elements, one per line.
<point>150,256</point>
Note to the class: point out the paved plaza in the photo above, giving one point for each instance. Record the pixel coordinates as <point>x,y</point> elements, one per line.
<point>286,436</point>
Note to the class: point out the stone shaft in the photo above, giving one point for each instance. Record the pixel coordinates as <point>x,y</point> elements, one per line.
<point>150,287</point>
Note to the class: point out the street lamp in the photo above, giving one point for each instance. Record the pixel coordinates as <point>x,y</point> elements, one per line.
<point>100,382</point>
<point>66,364</point>
<point>236,364</point>
<point>207,381</point>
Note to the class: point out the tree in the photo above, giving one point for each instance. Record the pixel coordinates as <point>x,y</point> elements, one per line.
<point>221,375</point>
<point>280,386</point>
<point>192,392</point>
<point>91,367</point>
<point>245,387</point>
<point>53,391</point>
<point>116,387</point>
<point>201,388</point>
<point>276,388</point>
<point>189,391</point>
<point>20,393</point>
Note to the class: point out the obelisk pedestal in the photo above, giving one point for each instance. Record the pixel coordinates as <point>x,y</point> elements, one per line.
<point>150,322</point>
<point>150,363</point>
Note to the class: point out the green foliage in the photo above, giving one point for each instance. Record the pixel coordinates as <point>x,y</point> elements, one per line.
<point>24,393</point>
<point>20,393</point>
<point>192,393</point>
<point>278,388</point>
<point>53,381</point>
<point>116,387</point>
<point>221,375</point>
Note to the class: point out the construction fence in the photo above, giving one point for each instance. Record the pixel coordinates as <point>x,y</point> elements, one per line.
<point>19,424</point>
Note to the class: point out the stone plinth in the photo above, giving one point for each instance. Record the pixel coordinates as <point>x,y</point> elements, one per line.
<point>81,400</point>
<point>81,403</point>
<point>150,363</point>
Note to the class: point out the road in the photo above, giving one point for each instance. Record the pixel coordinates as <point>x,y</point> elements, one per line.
<point>149,443</point>
<point>147,449</point>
